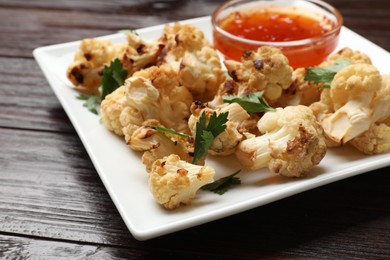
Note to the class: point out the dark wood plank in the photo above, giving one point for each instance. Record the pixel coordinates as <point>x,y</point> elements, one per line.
<point>13,247</point>
<point>49,189</point>
<point>145,7</point>
<point>45,26</point>
<point>54,205</point>
<point>41,29</point>
<point>26,100</point>
<point>334,221</point>
<point>45,23</point>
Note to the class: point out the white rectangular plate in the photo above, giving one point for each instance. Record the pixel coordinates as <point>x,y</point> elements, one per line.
<point>124,175</point>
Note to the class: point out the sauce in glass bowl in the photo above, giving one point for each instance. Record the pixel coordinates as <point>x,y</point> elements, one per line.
<point>305,35</point>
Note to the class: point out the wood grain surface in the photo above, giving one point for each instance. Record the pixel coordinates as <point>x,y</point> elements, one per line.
<point>53,204</point>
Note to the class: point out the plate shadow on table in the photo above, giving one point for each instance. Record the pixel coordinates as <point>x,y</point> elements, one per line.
<point>296,223</point>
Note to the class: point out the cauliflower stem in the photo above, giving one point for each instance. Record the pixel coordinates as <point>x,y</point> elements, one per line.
<point>291,144</point>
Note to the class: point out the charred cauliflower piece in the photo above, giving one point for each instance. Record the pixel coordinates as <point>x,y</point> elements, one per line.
<point>174,182</point>
<point>155,93</point>
<point>350,102</point>
<point>201,73</point>
<point>157,145</point>
<point>226,142</point>
<point>266,70</point>
<point>192,57</point>
<point>302,92</point>
<point>352,56</point>
<point>139,54</point>
<point>381,102</point>
<point>145,137</point>
<point>377,138</point>
<point>86,71</point>
<point>111,109</point>
<point>291,145</point>
<point>93,54</point>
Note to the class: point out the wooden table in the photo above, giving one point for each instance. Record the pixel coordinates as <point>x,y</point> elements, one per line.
<point>54,205</point>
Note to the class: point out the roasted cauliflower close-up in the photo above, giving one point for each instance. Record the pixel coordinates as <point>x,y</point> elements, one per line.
<point>376,139</point>
<point>226,142</point>
<point>174,182</point>
<point>353,56</point>
<point>266,69</point>
<point>300,92</point>
<point>350,105</point>
<point>86,71</point>
<point>139,54</point>
<point>192,57</point>
<point>158,144</point>
<point>111,109</point>
<point>291,144</point>
<point>155,93</point>
<point>305,92</point>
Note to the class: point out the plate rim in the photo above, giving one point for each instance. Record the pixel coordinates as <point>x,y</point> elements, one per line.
<point>148,233</point>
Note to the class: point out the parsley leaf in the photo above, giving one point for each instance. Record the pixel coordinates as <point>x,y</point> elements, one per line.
<point>205,134</point>
<point>113,77</point>
<point>168,130</point>
<point>206,141</point>
<point>217,123</point>
<point>253,103</point>
<point>325,75</point>
<point>222,185</point>
<point>91,102</point>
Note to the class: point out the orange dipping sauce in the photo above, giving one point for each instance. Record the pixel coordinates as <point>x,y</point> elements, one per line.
<point>278,25</point>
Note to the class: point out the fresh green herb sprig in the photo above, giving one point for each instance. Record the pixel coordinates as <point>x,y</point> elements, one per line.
<point>113,77</point>
<point>222,185</point>
<point>253,103</point>
<point>325,75</point>
<point>169,130</point>
<point>91,102</point>
<point>206,133</point>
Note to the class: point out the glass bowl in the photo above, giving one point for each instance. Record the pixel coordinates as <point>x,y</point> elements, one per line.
<point>306,31</point>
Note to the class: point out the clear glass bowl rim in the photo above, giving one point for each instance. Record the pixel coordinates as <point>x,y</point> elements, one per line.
<point>307,41</point>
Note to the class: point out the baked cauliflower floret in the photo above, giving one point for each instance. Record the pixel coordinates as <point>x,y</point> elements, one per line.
<point>192,57</point>
<point>291,145</point>
<point>93,54</point>
<point>226,142</point>
<point>156,144</point>
<point>145,137</point>
<point>182,37</point>
<point>155,93</point>
<point>347,54</point>
<point>352,92</point>
<point>266,70</point>
<point>139,54</point>
<point>111,109</point>
<point>86,71</point>
<point>377,138</point>
<point>174,182</point>
<point>374,141</point>
<point>201,73</point>
<point>302,92</point>
<point>381,101</point>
